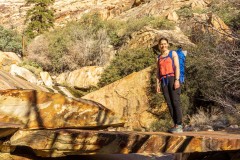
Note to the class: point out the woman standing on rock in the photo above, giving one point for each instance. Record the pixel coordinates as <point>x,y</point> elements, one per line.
<point>168,73</point>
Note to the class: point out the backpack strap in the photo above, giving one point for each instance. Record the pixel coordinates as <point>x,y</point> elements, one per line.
<point>170,54</point>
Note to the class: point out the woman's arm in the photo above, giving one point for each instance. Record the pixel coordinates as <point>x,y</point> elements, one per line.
<point>158,79</point>
<point>177,70</point>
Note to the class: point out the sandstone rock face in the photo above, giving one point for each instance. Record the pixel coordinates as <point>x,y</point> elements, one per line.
<point>24,73</point>
<point>73,10</point>
<point>13,12</point>
<point>37,109</point>
<point>85,77</point>
<point>7,59</point>
<point>127,98</point>
<point>148,37</point>
<point>46,78</point>
<point>7,81</point>
<point>156,8</point>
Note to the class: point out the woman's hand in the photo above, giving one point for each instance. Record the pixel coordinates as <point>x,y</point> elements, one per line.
<point>176,84</point>
<point>159,89</point>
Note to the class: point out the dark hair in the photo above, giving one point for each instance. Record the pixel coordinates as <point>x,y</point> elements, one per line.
<point>180,46</point>
<point>163,38</point>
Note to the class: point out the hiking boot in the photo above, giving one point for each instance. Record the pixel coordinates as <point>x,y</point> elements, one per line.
<point>177,129</point>
<point>171,129</point>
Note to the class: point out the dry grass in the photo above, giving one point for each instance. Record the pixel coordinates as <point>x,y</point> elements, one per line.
<point>212,117</point>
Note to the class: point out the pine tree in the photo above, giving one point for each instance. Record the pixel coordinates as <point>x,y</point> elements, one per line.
<point>39,18</point>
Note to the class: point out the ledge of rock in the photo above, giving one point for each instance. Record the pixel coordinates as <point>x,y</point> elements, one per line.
<point>7,129</point>
<point>8,81</point>
<point>56,143</point>
<point>148,37</point>
<point>36,109</point>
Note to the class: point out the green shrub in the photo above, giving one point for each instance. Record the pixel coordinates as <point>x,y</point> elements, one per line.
<point>200,10</point>
<point>234,23</point>
<point>185,12</point>
<point>115,32</point>
<point>125,63</point>
<point>92,22</point>
<point>136,24</point>
<point>163,124</point>
<point>185,103</point>
<point>10,41</point>
<point>59,41</point>
<point>162,23</point>
<point>32,66</point>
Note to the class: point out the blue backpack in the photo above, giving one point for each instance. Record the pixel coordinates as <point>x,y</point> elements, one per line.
<point>182,60</point>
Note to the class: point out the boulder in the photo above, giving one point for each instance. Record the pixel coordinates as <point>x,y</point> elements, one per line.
<point>46,78</point>
<point>37,109</point>
<point>85,77</point>
<point>172,16</point>
<point>23,73</point>
<point>7,129</point>
<point>7,59</point>
<point>128,98</point>
<point>61,78</point>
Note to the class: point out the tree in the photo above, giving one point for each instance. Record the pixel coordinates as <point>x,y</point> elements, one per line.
<point>40,18</point>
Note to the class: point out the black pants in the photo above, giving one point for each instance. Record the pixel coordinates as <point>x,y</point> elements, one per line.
<point>172,97</point>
